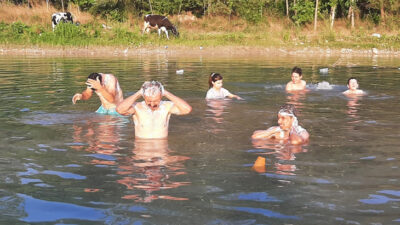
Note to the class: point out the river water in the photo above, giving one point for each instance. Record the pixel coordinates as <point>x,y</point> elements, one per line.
<point>64,164</point>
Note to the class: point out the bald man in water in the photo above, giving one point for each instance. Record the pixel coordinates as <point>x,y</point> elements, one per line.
<point>151,116</point>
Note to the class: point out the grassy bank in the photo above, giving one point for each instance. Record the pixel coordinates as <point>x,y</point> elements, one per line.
<point>27,27</point>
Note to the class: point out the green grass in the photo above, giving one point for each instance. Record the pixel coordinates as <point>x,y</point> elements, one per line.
<point>92,35</point>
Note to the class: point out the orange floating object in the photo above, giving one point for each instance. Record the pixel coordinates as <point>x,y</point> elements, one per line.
<point>259,165</point>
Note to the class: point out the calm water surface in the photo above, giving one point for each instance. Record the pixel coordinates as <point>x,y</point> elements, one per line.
<point>63,164</point>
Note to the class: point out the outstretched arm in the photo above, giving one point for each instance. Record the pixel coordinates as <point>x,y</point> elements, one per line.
<point>272,132</point>
<point>181,107</point>
<point>86,94</point>
<point>126,106</point>
<point>235,96</point>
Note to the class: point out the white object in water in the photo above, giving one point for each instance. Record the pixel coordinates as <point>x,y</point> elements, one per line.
<point>166,46</point>
<point>201,47</point>
<point>376,35</point>
<point>324,70</point>
<point>179,71</point>
<point>375,51</point>
<point>324,85</point>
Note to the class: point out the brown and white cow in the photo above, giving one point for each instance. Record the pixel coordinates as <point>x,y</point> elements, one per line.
<point>161,23</point>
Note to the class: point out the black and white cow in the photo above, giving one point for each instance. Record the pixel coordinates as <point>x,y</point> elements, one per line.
<point>65,17</point>
<point>161,23</point>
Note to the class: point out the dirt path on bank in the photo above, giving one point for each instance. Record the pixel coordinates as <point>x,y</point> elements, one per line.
<point>187,52</point>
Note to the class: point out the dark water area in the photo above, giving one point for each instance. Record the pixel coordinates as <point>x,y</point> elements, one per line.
<point>64,164</point>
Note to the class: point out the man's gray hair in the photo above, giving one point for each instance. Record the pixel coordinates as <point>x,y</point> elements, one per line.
<point>152,88</point>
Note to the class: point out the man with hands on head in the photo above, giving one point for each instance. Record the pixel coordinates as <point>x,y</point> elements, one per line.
<point>151,116</point>
<point>106,86</point>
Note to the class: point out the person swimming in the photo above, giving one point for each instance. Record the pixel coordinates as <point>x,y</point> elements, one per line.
<point>151,116</point>
<point>288,129</point>
<point>352,85</point>
<point>216,90</point>
<point>296,84</point>
<point>106,86</point>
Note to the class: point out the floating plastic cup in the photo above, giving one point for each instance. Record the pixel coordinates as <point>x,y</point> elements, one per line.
<point>324,70</point>
<point>179,71</point>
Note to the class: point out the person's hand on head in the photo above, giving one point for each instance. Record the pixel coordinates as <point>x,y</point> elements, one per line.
<point>94,84</point>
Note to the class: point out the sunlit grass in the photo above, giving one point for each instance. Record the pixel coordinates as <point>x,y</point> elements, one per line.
<point>20,25</point>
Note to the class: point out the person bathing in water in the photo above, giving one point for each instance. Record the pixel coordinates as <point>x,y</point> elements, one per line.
<point>296,84</point>
<point>216,90</point>
<point>352,84</point>
<point>151,116</point>
<point>288,129</point>
<point>106,86</point>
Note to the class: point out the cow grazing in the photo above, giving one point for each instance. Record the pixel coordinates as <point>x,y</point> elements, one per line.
<point>161,23</point>
<point>65,17</point>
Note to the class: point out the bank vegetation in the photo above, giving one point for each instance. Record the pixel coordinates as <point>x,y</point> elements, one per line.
<point>357,24</point>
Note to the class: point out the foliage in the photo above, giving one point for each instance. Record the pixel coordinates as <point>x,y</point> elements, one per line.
<point>113,10</point>
<point>305,12</point>
<point>251,10</point>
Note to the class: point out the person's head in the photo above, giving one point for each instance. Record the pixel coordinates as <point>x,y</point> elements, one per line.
<point>95,76</point>
<point>297,74</point>
<point>152,92</point>
<point>286,116</point>
<point>215,80</point>
<point>352,83</point>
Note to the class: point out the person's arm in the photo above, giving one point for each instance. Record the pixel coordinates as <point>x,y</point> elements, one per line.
<point>107,92</point>
<point>235,96</point>
<point>85,95</point>
<point>181,107</point>
<point>269,133</point>
<point>288,86</point>
<point>301,138</point>
<point>126,107</point>
<point>304,84</point>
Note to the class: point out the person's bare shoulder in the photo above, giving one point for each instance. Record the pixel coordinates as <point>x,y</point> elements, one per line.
<point>289,86</point>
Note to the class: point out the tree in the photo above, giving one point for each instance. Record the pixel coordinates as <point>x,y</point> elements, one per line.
<point>315,15</point>
<point>333,5</point>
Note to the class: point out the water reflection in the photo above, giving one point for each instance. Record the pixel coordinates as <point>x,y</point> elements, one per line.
<point>150,169</point>
<point>297,99</point>
<point>99,135</point>
<point>284,153</point>
<point>353,107</point>
<point>216,110</point>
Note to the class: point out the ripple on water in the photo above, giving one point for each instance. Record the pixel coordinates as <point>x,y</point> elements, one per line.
<point>259,211</point>
<point>38,210</point>
<point>254,196</point>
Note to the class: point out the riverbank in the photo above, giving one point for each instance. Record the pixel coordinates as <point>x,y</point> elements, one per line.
<point>184,51</point>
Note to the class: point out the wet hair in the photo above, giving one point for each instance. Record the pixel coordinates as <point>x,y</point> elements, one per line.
<point>94,76</point>
<point>351,78</point>
<point>152,88</point>
<point>297,70</point>
<point>289,109</point>
<point>214,77</point>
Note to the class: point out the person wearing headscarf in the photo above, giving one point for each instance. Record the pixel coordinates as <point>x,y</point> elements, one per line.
<point>288,129</point>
